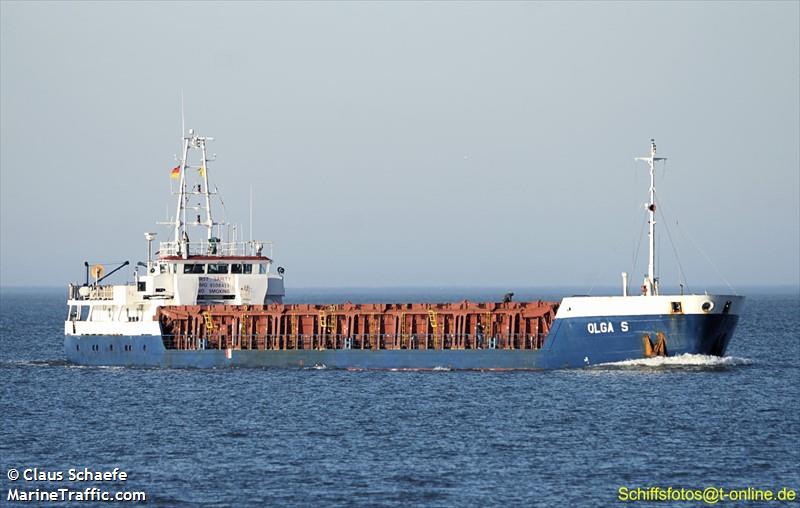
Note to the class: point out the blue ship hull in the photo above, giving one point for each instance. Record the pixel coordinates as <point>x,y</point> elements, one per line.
<point>572,342</point>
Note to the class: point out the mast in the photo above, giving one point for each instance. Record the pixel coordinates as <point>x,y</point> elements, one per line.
<point>180,212</point>
<point>205,190</point>
<point>181,234</point>
<point>650,281</point>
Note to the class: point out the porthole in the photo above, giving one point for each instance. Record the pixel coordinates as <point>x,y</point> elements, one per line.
<point>707,306</point>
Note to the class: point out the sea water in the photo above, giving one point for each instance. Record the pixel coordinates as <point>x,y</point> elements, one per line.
<point>260,437</point>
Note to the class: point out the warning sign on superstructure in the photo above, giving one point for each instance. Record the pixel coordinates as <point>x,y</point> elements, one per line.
<point>222,285</point>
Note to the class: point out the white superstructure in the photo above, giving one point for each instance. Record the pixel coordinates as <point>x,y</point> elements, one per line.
<point>184,271</point>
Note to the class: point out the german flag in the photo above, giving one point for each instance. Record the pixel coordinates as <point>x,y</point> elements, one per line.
<point>176,172</point>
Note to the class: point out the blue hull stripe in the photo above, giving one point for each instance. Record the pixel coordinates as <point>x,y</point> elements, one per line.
<point>572,342</point>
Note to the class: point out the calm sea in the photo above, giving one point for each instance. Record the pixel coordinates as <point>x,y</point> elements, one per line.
<point>337,438</point>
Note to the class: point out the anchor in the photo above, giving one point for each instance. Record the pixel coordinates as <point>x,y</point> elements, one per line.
<point>660,348</point>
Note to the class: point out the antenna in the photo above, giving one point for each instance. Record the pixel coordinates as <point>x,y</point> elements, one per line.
<point>251,212</point>
<point>183,122</point>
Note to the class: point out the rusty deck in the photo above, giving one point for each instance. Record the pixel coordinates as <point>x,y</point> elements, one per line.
<point>373,326</point>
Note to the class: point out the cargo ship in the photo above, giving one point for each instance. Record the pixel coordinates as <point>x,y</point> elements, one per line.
<point>205,302</point>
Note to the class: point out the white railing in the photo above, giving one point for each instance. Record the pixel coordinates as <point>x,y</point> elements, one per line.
<point>212,248</point>
<point>75,292</point>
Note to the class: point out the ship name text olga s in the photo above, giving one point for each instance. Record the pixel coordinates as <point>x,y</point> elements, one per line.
<point>215,303</point>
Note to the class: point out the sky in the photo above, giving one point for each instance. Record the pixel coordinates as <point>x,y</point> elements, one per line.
<point>410,144</point>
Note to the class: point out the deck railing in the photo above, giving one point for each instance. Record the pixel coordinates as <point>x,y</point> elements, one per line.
<point>75,292</point>
<point>215,248</point>
<point>359,341</point>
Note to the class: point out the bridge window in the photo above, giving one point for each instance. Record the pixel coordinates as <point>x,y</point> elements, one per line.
<point>262,268</point>
<point>218,268</point>
<point>236,268</point>
<point>191,268</point>
<point>247,268</point>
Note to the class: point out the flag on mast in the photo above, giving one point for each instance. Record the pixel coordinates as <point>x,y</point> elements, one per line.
<point>176,172</point>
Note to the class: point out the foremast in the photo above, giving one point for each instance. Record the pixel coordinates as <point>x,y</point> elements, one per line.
<point>650,286</point>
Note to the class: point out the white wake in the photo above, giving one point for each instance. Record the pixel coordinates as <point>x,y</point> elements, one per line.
<point>684,360</point>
